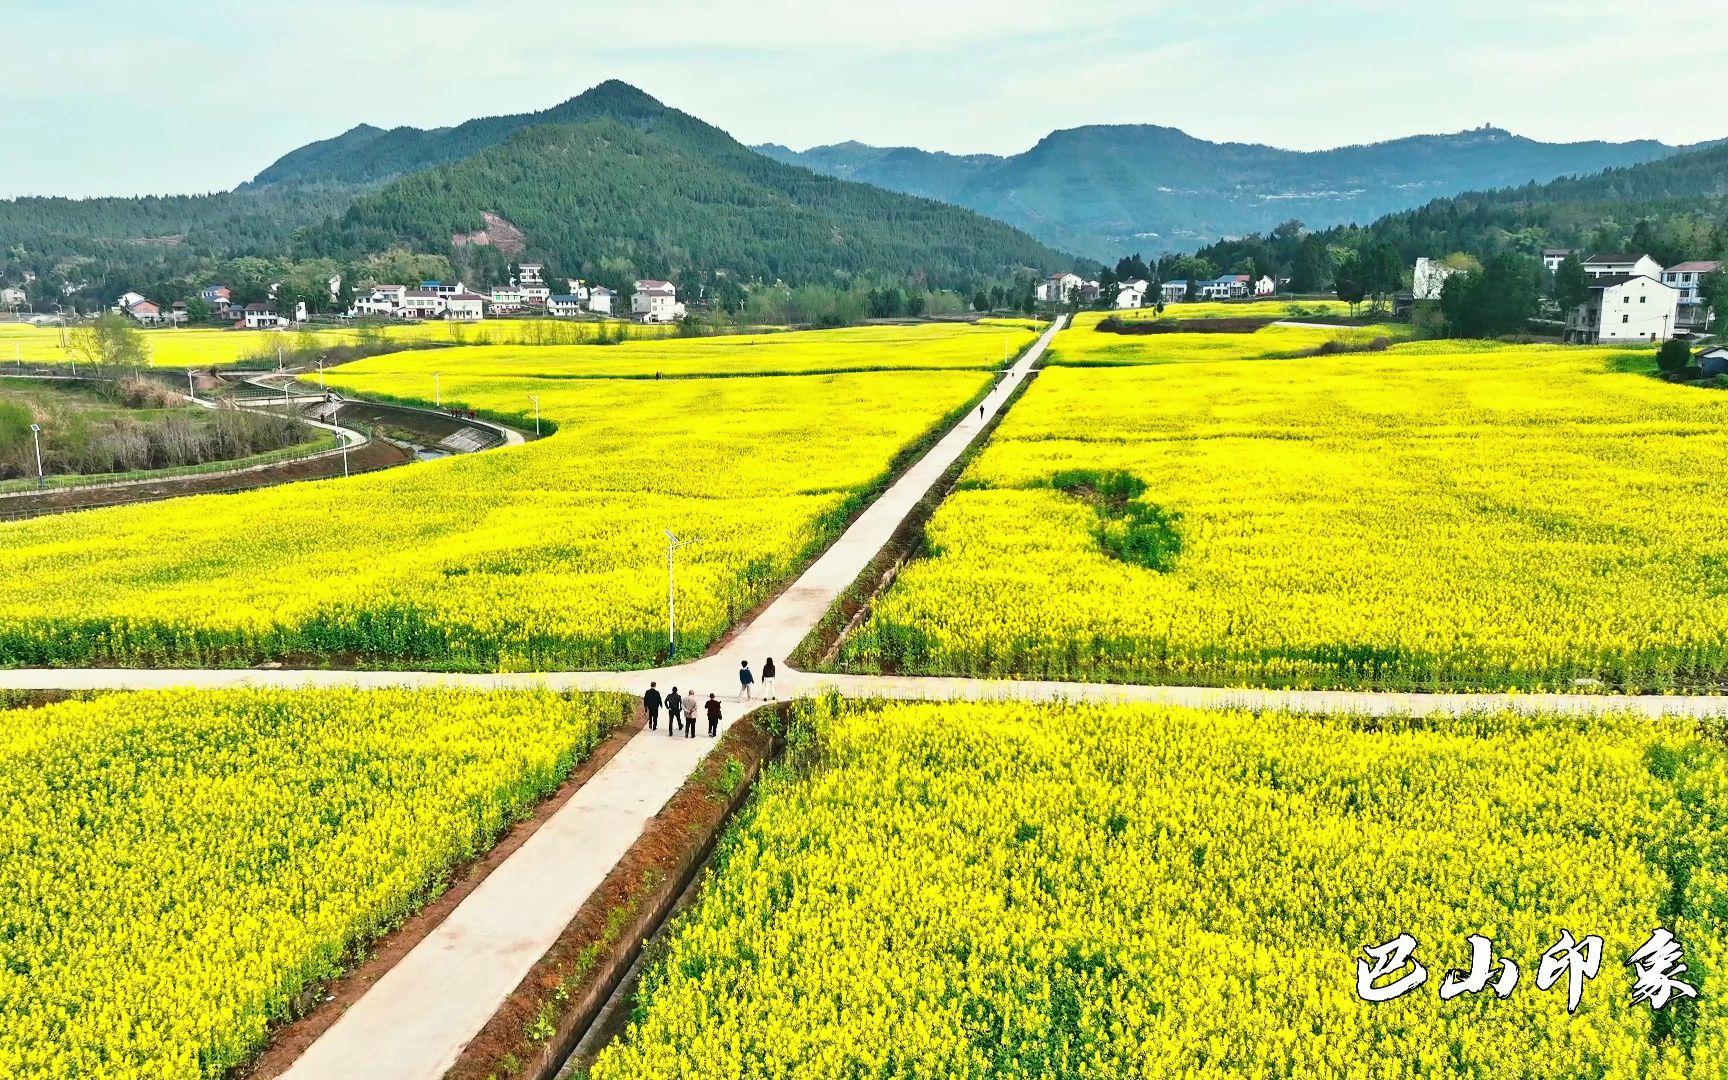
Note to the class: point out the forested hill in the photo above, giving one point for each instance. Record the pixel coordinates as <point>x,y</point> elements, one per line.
<point>109,245</point>
<point>1674,209</point>
<point>366,154</point>
<point>1107,191</point>
<point>609,198</point>
<point>1661,201</point>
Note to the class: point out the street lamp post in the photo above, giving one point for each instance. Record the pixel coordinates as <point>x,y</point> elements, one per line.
<point>672,546</point>
<point>36,434</point>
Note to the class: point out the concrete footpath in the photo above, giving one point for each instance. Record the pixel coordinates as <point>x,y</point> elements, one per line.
<point>414,1022</point>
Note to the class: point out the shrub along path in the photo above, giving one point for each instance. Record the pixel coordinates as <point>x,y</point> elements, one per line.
<point>416,1019</point>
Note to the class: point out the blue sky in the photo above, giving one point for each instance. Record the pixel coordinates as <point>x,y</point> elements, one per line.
<point>113,98</point>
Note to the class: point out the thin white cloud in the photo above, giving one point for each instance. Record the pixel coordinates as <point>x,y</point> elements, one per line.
<point>111,98</point>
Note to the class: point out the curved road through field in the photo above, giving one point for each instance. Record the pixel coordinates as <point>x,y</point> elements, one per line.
<point>415,1021</point>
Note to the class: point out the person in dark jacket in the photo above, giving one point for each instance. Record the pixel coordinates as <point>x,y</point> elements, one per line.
<point>651,704</point>
<point>713,716</point>
<point>768,678</point>
<point>745,680</point>
<point>674,709</point>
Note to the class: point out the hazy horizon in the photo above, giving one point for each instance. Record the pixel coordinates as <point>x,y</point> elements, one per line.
<point>102,107</point>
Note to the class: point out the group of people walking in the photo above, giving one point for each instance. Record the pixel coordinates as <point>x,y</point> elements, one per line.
<point>682,709</point>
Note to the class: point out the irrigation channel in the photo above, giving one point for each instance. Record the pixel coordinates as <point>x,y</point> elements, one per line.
<point>369,436</point>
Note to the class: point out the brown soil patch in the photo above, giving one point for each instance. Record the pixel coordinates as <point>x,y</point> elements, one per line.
<point>1114,325</point>
<point>330,1002</point>
<point>498,233</point>
<point>543,1019</point>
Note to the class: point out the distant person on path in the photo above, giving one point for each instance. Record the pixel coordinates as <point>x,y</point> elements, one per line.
<point>651,702</point>
<point>745,680</point>
<point>768,678</point>
<point>674,707</point>
<point>713,716</point>
<point>980,412</point>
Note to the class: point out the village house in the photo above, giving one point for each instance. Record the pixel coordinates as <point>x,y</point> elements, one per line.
<point>176,315</point>
<point>1624,308</point>
<point>12,297</point>
<point>219,298</point>
<point>600,300</point>
<point>465,307</point>
<point>144,311</point>
<point>1687,277</point>
<point>508,298</point>
<point>261,317</point>
<point>385,300</point>
<point>1226,287</point>
<point>422,304</point>
<point>1060,288</point>
<point>1553,257</point>
<point>656,302</point>
<point>1713,360</point>
<point>1132,294</point>
<point>1174,292</point>
<point>1266,286</point>
<point>563,305</point>
<point>1621,264</point>
<point>530,277</point>
<point>1429,279</point>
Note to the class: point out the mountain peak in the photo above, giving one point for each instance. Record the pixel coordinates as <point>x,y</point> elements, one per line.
<point>614,94</point>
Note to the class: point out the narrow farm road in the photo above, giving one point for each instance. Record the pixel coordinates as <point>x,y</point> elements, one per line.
<point>414,1022</point>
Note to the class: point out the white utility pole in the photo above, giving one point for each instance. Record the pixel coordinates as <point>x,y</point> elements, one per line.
<point>437,393</point>
<point>36,434</point>
<point>536,398</point>
<point>191,390</point>
<point>672,546</point>
<point>320,373</point>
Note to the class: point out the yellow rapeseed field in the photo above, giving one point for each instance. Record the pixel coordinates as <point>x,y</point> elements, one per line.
<point>1440,515</point>
<point>177,866</point>
<point>549,555</point>
<point>1228,309</point>
<point>927,346</point>
<point>202,346</point>
<point>1012,891</point>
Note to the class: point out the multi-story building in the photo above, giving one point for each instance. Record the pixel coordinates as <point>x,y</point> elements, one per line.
<point>1619,264</point>
<point>465,307</point>
<point>1429,279</point>
<point>1624,308</point>
<point>508,298</point>
<point>656,301</point>
<point>531,279</point>
<point>385,300</point>
<point>1687,277</point>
